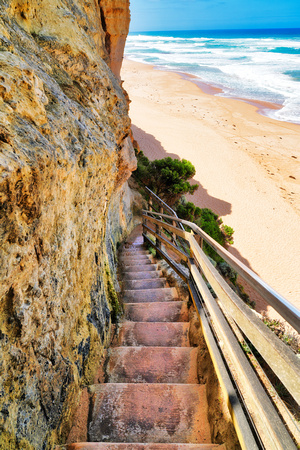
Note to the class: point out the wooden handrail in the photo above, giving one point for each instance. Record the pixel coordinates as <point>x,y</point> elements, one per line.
<point>288,311</point>
<point>280,358</point>
<point>169,244</point>
<point>163,204</point>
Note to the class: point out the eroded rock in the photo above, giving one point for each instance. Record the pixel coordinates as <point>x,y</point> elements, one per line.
<point>64,158</point>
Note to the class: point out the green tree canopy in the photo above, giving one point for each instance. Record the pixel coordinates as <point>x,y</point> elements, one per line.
<point>167,177</point>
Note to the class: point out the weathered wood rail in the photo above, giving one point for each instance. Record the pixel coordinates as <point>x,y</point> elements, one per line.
<point>256,419</point>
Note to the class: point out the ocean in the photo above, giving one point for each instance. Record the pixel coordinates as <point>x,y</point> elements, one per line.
<point>261,65</point>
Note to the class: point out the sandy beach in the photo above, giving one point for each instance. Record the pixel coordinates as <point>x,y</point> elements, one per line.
<point>247,165</point>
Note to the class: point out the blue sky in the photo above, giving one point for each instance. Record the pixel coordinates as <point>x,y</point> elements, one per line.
<point>159,15</point>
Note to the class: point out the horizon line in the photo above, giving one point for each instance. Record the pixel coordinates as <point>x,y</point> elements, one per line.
<point>218,29</point>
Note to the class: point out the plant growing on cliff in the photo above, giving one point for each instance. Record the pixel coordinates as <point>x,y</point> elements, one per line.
<point>188,210</point>
<point>116,308</point>
<point>168,178</point>
<point>209,222</point>
<point>227,232</point>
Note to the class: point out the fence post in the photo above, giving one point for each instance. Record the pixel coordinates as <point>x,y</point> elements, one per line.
<point>144,231</point>
<point>150,204</point>
<point>174,237</point>
<point>159,228</point>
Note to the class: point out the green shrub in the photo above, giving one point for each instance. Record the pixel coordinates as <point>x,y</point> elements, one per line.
<point>227,232</point>
<point>188,211</point>
<point>227,271</point>
<point>167,178</point>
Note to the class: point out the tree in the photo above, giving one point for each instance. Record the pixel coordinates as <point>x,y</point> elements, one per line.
<point>168,178</point>
<point>188,210</point>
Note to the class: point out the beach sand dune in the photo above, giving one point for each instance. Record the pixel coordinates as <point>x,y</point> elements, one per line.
<point>247,166</point>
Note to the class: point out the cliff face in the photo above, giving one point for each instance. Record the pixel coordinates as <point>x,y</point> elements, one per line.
<point>115,17</point>
<point>65,155</point>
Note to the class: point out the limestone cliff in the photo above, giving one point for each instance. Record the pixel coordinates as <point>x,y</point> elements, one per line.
<point>65,155</point>
<point>115,22</point>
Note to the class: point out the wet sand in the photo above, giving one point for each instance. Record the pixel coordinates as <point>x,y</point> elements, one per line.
<point>247,166</point>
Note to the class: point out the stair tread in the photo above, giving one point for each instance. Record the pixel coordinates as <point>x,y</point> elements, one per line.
<point>149,295</point>
<point>158,413</point>
<point>139,268</point>
<point>138,257</point>
<point>135,253</point>
<point>135,262</point>
<point>134,249</point>
<point>151,334</point>
<point>174,311</point>
<point>152,365</point>
<point>141,275</point>
<point>145,284</point>
<point>139,446</point>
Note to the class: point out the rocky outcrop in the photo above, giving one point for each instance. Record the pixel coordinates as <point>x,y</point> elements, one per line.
<point>115,17</point>
<point>65,156</point>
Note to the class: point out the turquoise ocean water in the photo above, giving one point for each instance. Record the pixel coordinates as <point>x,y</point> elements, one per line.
<point>250,64</point>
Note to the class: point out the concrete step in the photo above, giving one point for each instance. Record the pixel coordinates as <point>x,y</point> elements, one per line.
<point>149,413</point>
<point>153,334</point>
<point>134,247</point>
<point>135,258</point>
<point>131,446</point>
<point>139,267</point>
<point>152,365</point>
<point>134,262</point>
<point>157,312</point>
<point>150,295</point>
<point>142,275</point>
<point>144,284</point>
<point>134,252</point>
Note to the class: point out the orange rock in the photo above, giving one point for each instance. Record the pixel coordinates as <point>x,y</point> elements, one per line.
<point>115,18</point>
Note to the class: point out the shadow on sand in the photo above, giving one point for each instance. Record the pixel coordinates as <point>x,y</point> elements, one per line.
<point>154,150</point>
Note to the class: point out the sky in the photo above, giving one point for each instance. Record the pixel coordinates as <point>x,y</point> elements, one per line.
<point>160,15</point>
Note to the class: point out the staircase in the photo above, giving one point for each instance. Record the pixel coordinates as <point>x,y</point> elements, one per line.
<point>151,398</point>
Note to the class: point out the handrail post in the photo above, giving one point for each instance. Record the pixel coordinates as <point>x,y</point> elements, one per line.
<point>174,223</point>
<point>144,225</point>
<point>150,204</point>
<point>199,240</point>
<point>159,228</point>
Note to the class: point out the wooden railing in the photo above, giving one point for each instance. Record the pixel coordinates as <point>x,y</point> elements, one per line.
<point>225,318</point>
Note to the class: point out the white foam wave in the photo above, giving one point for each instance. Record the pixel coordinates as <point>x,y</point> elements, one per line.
<point>250,68</point>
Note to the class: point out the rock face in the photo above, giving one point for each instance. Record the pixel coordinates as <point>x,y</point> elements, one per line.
<point>115,17</point>
<point>65,156</point>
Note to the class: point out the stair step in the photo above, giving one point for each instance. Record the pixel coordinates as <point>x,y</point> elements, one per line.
<point>134,247</point>
<point>137,258</point>
<point>156,413</point>
<point>142,275</point>
<point>151,446</point>
<point>152,334</point>
<point>152,365</point>
<point>136,253</point>
<point>157,312</point>
<point>150,295</point>
<point>144,284</point>
<point>134,262</point>
<point>139,267</point>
